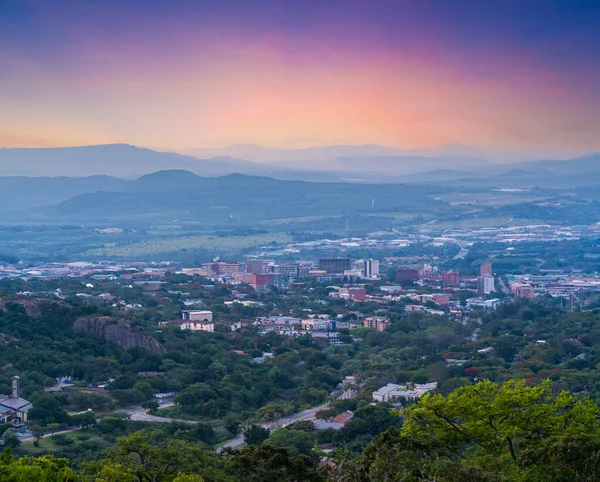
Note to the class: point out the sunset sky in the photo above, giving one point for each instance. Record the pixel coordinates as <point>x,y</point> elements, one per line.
<point>285,73</point>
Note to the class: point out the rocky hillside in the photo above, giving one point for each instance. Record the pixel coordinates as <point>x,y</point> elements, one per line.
<point>33,306</point>
<point>119,332</point>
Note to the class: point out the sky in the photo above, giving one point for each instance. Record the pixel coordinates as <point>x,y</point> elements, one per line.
<point>177,74</point>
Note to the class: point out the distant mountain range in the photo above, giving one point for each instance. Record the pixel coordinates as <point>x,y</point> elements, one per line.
<point>470,154</point>
<point>234,199</point>
<point>333,163</point>
<point>372,164</point>
<point>120,160</point>
<point>580,172</point>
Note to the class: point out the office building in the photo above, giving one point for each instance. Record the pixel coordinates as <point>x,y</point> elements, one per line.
<point>335,265</point>
<point>451,279</point>
<point>371,268</point>
<point>256,266</point>
<point>261,282</point>
<point>485,269</point>
<point>523,291</point>
<point>407,274</point>
<point>485,284</point>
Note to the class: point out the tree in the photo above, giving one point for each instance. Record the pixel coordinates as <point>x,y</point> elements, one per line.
<point>150,405</point>
<point>46,409</point>
<point>36,469</point>
<point>367,422</point>
<point>83,420</point>
<point>266,463</point>
<point>274,411</point>
<point>148,457</point>
<point>302,425</point>
<point>38,432</point>
<point>499,420</point>
<point>255,434</point>
<point>10,439</point>
<point>295,441</point>
<point>390,456</point>
<point>61,440</point>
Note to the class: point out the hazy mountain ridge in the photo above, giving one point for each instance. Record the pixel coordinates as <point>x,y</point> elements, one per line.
<point>273,155</point>
<point>181,193</point>
<point>104,168</point>
<point>117,160</point>
<point>559,174</point>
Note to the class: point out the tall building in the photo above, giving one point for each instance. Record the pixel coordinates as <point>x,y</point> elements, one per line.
<point>335,265</point>
<point>255,266</point>
<point>485,284</point>
<point>407,274</point>
<point>261,282</point>
<point>222,268</point>
<point>451,279</point>
<point>485,269</point>
<point>371,268</point>
<point>523,291</point>
<point>286,269</point>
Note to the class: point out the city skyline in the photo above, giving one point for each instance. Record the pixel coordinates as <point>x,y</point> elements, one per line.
<point>177,75</point>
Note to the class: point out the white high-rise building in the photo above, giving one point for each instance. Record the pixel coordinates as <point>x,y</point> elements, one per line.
<point>371,268</point>
<point>485,284</point>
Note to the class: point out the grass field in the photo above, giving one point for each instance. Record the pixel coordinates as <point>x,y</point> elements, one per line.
<point>47,444</point>
<point>190,243</point>
<point>481,222</point>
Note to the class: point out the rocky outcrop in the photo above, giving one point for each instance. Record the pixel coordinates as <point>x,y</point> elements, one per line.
<point>33,306</point>
<point>119,332</point>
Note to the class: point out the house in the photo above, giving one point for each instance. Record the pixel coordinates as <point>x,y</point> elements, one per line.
<point>197,315</point>
<point>13,408</point>
<point>316,325</point>
<point>332,337</point>
<point>379,323</point>
<point>391,391</point>
<point>383,393</point>
<point>343,417</point>
<point>197,326</point>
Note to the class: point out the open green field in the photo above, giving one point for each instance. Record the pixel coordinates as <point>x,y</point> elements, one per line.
<point>480,222</point>
<point>203,242</point>
<point>47,444</point>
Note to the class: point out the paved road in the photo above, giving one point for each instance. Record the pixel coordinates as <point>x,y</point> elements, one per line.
<point>27,436</point>
<point>464,250</point>
<point>139,414</point>
<point>503,286</point>
<point>136,413</point>
<point>309,414</point>
<point>143,416</point>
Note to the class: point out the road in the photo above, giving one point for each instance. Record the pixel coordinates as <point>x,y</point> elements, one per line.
<point>309,414</point>
<point>139,414</point>
<point>27,436</point>
<point>503,286</point>
<point>144,416</point>
<point>135,413</point>
<point>464,250</point>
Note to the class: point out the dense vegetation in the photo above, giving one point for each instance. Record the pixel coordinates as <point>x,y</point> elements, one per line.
<point>482,432</point>
<point>225,391</point>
